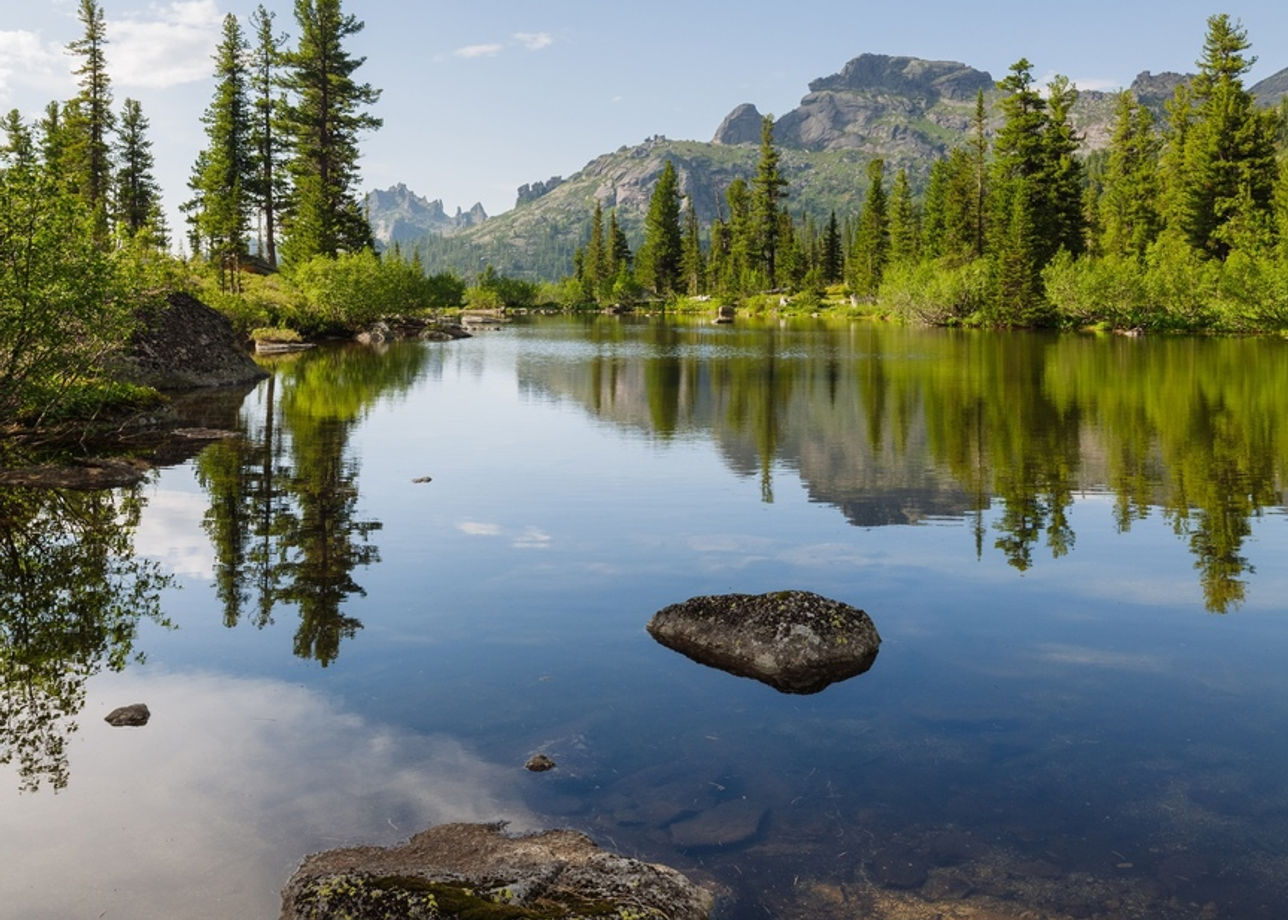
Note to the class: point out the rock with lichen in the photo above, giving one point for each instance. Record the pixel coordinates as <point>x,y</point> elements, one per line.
<point>478,871</point>
<point>795,641</point>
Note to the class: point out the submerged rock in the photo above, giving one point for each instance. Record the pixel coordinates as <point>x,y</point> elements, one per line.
<point>134,715</point>
<point>539,763</point>
<point>475,870</point>
<point>728,823</point>
<point>795,641</point>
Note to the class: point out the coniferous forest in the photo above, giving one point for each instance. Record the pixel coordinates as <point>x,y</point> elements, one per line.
<point>1181,224</point>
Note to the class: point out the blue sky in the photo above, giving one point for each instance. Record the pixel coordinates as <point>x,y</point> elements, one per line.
<point>480,97</point>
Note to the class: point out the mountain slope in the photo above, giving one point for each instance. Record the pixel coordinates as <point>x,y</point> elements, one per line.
<point>906,110</point>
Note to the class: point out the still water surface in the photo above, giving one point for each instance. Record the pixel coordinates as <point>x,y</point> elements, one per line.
<point>1074,550</point>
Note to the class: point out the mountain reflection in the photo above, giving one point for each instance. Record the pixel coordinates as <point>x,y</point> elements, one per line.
<point>895,425</point>
<point>72,595</point>
<point>283,515</point>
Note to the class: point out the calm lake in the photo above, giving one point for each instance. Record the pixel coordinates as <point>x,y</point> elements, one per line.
<point>1075,550</point>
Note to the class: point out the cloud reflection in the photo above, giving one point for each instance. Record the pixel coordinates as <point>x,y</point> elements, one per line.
<point>206,811</point>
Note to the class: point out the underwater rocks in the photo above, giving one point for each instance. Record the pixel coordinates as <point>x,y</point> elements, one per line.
<point>795,641</point>
<point>134,715</point>
<point>476,870</point>
<point>539,763</point>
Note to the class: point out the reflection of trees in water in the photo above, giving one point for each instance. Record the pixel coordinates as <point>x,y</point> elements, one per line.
<point>894,425</point>
<point>72,594</point>
<point>283,513</point>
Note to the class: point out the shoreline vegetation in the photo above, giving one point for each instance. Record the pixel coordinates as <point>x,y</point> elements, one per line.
<point>1165,231</point>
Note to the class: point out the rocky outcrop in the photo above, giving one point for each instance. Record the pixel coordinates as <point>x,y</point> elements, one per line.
<point>477,871</point>
<point>906,76</point>
<point>1272,89</point>
<point>795,641</point>
<point>741,126</point>
<point>399,215</point>
<point>185,344</point>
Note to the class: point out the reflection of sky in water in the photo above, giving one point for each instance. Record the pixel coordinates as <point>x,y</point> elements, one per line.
<point>1089,699</point>
<point>205,811</point>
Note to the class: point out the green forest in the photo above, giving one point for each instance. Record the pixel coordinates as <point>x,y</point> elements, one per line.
<point>1181,224</point>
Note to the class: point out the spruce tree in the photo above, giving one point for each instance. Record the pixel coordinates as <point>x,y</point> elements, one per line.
<point>269,188</point>
<point>595,270</point>
<point>1063,224</point>
<point>137,201</point>
<point>767,191</point>
<point>91,121</point>
<point>225,169</point>
<point>1128,203</point>
<point>692,269</point>
<point>658,262</point>
<point>740,267</point>
<point>872,237</point>
<point>323,120</point>
<point>1229,170</point>
<point>903,221</point>
<point>832,260</point>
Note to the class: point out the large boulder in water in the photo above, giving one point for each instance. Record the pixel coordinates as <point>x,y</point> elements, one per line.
<point>476,870</point>
<point>795,641</point>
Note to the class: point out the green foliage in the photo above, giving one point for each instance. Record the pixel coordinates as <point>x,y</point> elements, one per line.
<point>353,289</point>
<point>872,239</point>
<point>323,120</point>
<point>940,293</point>
<point>65,304</point>
<point>495,291</point>
<point>659,260</point>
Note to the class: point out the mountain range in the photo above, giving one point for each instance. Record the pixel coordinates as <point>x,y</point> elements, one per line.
<point>906,110</point>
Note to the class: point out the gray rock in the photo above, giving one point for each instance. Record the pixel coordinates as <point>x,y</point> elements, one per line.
<point>134,715</point>
<point>185,344</point>
<point>539,763</point>
<point>741,126</point>
<point>728,823</point>
<point>458,870</point>
<point>795,641</point>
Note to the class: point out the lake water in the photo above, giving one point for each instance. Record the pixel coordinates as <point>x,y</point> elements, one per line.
<point>1073,547</point>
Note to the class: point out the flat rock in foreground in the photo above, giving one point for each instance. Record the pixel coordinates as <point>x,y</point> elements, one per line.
<point>475,870</point>
<point>795,641</point>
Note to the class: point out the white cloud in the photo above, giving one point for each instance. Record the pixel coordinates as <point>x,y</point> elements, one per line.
<point>479,529</point>
<point>1087,656</point>
<point>532,538</point>
<point>26,58</point>
<point>168,45</point>
<point>476,51</point>
<point>245,776</point>
<point>534,41</point>
<point>171,533</point>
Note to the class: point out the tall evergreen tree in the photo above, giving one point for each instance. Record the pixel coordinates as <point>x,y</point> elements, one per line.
<point>269,188</point>
<point>91,123</point>
<point>619,251</point>
<point>225,169</point>
<point>692,268</point>
<point>595,270</point>
<point>1063,223</point>
<point>1229,168</point>
<point>903,221</point>
<point>872,237</point>
<point>768,189</point>
<point>323,120</point>
<point>740,266</point>
<point>137,201</point>
<point>1128,204</point>
<point>979,161</point>
<point>659,258</point>
<point>832,259</point>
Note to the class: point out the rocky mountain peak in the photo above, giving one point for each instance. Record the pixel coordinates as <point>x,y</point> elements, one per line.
<point>906,76</point>
<point>741,126</point>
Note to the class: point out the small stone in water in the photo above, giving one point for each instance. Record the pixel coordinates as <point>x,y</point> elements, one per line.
<point>539,763</point>
<point>135,714</point>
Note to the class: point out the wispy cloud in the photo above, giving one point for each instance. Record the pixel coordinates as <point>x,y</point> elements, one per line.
<point>26,58</point>
<point>479,529</point>
<point>478,51</point>
<point>168,45</point>
<point>534,41</point>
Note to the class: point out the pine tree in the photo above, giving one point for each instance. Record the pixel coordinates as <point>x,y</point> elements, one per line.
<point>1228,177</point>
<point>767,191</point>
<point>619,251</point>
<point>1128,204</point>
<point>225,169</point>
<point>740,266</point>
<point>903,221</point>
<point>323,122</point>
<point>872,237</point>
<point>595,270</point>
<point>269,187</point>
<point>1062,223</point>
<point>979,162</point>
<point>832,260</point>
<point>19,149</point>
<point>137,200</point>
<point>658,262</point>
<point>91,121</point>
<point>692,269</point>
